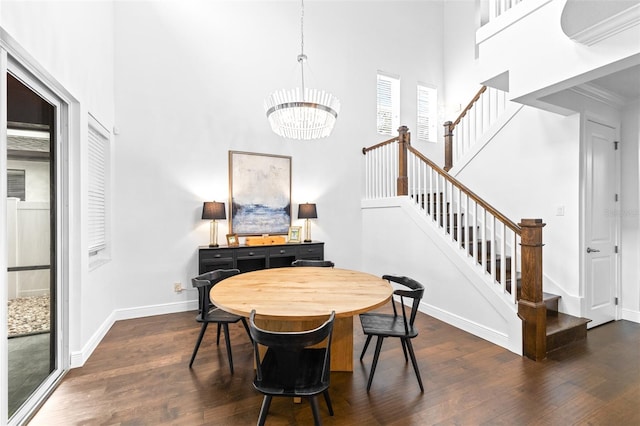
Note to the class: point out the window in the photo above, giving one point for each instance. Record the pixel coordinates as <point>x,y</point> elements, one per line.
<point>16,184</point>
<point>388,104</point>
<point>427,113</point>
<point>98,186</point>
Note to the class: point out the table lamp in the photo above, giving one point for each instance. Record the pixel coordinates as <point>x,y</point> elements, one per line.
<point>307,211</point>
<point>214,211</point>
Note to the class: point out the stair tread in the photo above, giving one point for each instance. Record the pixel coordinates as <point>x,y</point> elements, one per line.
<point>560,322</point>
<point>547,297</point>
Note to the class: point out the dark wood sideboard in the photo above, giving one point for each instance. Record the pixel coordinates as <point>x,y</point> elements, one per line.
<point>252,258</point>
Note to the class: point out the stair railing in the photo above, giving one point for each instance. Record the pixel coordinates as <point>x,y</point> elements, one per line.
<point>483,111</point>
<point>502,251</point>
<point>495,8</point>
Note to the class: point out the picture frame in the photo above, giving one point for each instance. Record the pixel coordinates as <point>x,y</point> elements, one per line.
<point>295,234</point>
<point>232,240</point>
<point>260,193</point>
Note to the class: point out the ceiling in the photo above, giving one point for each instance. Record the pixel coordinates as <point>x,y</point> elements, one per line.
<point>625,83</point>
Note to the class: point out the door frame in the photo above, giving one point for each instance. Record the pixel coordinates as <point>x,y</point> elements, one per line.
<point>613,123</point>
<point>14,59</point>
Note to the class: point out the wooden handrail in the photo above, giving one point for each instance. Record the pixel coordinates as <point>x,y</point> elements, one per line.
<point>531,307</point>
<point>468,107</point>
<point>448,130</point>
<point>378,145</point>
<point>488,207</point>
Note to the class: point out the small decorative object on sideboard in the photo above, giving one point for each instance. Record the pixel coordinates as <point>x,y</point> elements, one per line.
<point>294,234</point>
<point>307,211</point>
<point>264,240</point>
<point>214,211</point>
<point>232,240</point>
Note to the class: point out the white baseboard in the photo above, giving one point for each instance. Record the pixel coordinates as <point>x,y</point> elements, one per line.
<point>488,334</point>
<point>629,315</point>
<point>77,359</point>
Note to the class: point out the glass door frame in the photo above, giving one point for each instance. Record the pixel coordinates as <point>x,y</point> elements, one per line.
<point>41,83</point>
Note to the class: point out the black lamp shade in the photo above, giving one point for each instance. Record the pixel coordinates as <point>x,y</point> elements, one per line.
<point>213,210</point>
<point>307,211</point>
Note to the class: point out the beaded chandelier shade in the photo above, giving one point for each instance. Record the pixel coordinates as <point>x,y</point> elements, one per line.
<point>302,113</point>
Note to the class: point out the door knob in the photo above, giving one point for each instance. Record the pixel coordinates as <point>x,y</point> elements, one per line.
<point>590,250</point>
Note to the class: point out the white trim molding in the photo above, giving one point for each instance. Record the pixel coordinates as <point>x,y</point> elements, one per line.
<point>608,27</point>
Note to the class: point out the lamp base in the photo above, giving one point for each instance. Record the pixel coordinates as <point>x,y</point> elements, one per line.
<point>307,241</point>
<point>214,245</point>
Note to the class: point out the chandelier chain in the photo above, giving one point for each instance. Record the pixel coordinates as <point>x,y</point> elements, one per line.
<point>302,56</point>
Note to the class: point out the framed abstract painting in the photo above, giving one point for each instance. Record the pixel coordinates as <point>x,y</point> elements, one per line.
<point>260,191</point>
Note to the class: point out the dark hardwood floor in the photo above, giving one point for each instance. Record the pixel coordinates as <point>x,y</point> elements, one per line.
<point>139,375</point>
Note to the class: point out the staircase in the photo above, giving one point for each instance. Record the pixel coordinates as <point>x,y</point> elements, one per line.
<point>561,329</point>
<point>502,251</point>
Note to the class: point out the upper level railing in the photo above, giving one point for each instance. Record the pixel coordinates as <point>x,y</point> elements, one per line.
<point>493,8</point>
<point>462,133</point>
<point>507,255</point>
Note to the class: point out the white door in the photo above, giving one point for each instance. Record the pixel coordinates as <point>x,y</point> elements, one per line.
<point>601,219</point>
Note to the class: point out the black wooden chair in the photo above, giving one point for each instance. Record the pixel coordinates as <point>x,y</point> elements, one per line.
<point>290,368</point>
<point>387,325</point>
<point>309,262</point>
<point>209,313</point>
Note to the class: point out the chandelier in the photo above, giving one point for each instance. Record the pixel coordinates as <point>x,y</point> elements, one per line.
<point>302,113</point>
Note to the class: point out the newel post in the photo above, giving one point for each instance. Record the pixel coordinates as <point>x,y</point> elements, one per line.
<point>448,146</point>
<point>531,308</point>
<point>404,140</point>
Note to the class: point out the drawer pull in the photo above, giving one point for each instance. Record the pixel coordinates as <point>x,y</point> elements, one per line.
<point>282,251</point>
<point>250,253</point>
<point>217,256</point>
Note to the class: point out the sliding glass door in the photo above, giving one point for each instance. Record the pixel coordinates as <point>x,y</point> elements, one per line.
<point>33,243</point>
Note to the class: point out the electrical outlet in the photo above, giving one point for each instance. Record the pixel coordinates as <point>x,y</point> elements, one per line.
<point>177,287</point>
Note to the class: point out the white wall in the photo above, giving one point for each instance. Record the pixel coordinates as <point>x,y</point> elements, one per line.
<point>399,241</point>
<point>529,170</point>
<point>461,81</point>
<point>549,61</point>
<point>630,212</point>
<point>70,45</point>
<point>190,87</point>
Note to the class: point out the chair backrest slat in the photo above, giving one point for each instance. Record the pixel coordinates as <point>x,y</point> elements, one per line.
<point>288,344</point>
<point>414,290</point>
<point>204,283</point>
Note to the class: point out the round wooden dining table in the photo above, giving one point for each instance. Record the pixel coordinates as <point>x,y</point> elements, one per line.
<point>301,298</point>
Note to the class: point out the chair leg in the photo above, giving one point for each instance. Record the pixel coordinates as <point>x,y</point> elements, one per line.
<point>195,350</point>
<point>414,362</point>
<point>264,410</point>
<point>316,410</point>
<point>404,350</point>
<point>246,327</point>
<point>327,399</point>
<point>227,340</point>
<point>218,335</point>
<point>375,361</point>
<point>366,345</point>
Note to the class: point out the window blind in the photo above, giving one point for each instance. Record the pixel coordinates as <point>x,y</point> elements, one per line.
<point>388,104</point>
<point>427,110</point>
<point>16,184</point>
<point>97,164</point>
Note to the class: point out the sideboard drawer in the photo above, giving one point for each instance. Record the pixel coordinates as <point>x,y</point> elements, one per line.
<point>211,260</point>
<point>282,251</point>
<point>248,252</point>
<point>311,251</point>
